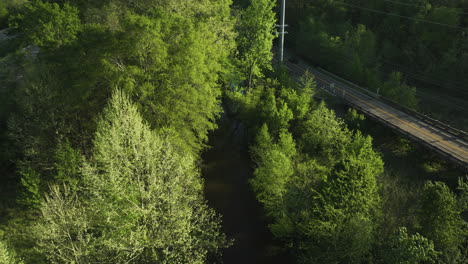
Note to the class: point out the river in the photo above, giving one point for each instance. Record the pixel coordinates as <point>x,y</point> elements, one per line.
<point>227,168</point>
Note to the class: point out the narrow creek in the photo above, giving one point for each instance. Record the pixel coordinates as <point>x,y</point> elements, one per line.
<point>227,168</point>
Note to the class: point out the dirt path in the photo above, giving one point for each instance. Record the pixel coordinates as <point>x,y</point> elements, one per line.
<point>227,170</point>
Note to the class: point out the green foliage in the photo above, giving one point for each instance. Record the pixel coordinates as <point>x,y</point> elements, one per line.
<point>3,15</point>
<point>400,92</point>
<point>68,165</point>
<point>61,233</point>
<point>354,120</point>
<point>8,69</point>
<point>171,64</point>
<point>31,194</point>
<point>275,112</point>
<point>7,255</point>
<point>463,198</point>
<point>300,97</point>
<point>37,123</point>
<point>322,132</point>
<point>323,201</point>
<point>369,42</point>
<point>6,7</point>
<point>362,43</point>
<point>339,218</point>
<point>354,179</point>
<point>441,222</point>
<point>140,202</point>
<point>133,196</point>
<point>262,104</point>
<point>275,167</point>
<point>407,249</point>
<point>255,39</point>
<point>127,189</point>
<point>279,104</point>
<point>48,25</point>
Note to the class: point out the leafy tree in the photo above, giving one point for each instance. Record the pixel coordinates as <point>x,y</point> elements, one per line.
<point>463,188</point>
<point>274,111</point>
<point>338,222</point>
<point>265,104</point>
<point>395,88</point>
<point>34,129</point>
<point>323,201</point>
<point>299,98</point>
<point>169,70</point>
<point>48,25</point>
<point>353,119</point>
<point>32,192</point>
<point>7,255</point>
<point>9,68</point>
<point>255,40</point>
<point>322,132</point>
<point>353,41</point>
<point>6,6</point>
<point>171,64</point>
<point>3,15</point>
<point>62,233</point>
<point>141,202</point>
<point>441,222</point>
<point>68,165</point>
<point>275,167</point>
<point>407,249</point>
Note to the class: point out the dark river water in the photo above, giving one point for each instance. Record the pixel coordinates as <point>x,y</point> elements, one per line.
<point>227,168</point>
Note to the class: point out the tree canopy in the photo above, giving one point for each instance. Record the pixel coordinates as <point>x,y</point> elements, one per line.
<point>107,108</point>
<point>138,201</point>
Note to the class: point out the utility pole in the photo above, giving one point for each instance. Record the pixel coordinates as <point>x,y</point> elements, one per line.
<point>281,27</point>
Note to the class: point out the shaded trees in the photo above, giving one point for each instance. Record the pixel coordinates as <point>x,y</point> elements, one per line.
<point>48,25</point>
<point>441,222</point>
<point>406,249</point>
<point>392,47</point>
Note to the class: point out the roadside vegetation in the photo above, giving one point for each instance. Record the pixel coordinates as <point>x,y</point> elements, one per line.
<point>413,52</point>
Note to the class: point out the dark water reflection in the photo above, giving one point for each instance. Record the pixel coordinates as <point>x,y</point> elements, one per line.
<point>226,170</point>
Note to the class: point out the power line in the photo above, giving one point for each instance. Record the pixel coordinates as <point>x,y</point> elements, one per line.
<point>421,76</point>
<point>396,15</point>
<point>408,73</point>
<point>407,4</point>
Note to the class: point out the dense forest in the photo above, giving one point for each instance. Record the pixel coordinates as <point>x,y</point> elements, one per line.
<point>107,107</point>
<point>414,52</point>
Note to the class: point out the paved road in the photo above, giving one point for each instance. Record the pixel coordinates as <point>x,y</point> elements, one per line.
<point>449,145</point>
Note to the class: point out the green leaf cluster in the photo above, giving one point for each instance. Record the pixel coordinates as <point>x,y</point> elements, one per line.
<point>441,221</point>
<point>406,249</point>
<point>47,25</point>
<point>7,255</point>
